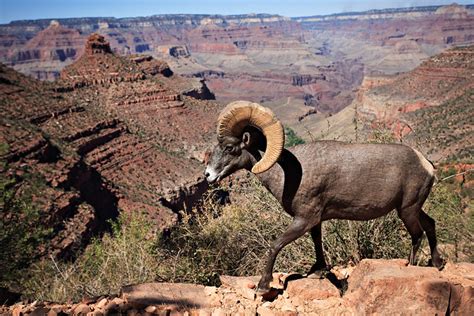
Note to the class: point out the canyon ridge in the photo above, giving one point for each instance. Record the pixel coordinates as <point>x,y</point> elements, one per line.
<point>301,66</point>
<point>103,116</point>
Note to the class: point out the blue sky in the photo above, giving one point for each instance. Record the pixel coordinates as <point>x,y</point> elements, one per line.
<point>36,9</point>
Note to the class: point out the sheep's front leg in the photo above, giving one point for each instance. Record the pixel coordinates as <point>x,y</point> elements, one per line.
<point>297,228</point>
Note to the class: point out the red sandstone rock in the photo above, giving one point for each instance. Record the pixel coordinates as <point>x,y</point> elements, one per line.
<point>96,44</point>
<point>377,286</point>
<point>81,309</point>
<point>100,147</point>
<point>183,295</point>
<point>101,304</point>
<point>312,289</point>
<point>243,286</point>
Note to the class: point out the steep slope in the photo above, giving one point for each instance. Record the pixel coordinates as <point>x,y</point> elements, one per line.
<point>48,52</point>
<point>446,131</point>
<point>430,106</point>
<point>113,134</point>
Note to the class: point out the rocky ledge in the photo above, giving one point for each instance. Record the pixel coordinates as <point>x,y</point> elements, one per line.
<point>372,287</point>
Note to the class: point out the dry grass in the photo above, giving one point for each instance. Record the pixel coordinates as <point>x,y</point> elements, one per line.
<point>124,257</point>
<point>234,239</point>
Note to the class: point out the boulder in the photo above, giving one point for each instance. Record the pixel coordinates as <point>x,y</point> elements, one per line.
<point>312,289</point>
<point>243,286</point>
<point>374,287</point>
<point>391,286</point>
<point>179,294</point>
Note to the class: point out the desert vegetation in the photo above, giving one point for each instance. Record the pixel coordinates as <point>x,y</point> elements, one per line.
<point>232,239</point>
<point>291,138</point>
<point>213,239</point>
<point>22,231</point>
<point>446,128</point>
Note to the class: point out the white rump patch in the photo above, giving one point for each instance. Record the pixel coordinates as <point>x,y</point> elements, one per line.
<point>425,163</point>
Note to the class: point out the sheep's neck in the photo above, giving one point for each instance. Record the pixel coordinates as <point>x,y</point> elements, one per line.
<point>283,179</point>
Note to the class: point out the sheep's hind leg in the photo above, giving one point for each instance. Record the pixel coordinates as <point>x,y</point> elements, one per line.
<point>296,229</point>
<point>319,267</point>
<point>410,217</point>
<point>428,225</point>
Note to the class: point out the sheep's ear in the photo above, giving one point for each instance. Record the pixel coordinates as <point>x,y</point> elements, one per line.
<point>245,140</point>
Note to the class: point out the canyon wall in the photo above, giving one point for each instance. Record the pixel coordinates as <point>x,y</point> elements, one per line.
<point>429,108</point>
<point>112,134</point>
<point>318,61</point>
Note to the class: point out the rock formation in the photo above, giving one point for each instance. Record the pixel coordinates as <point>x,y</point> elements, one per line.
<point>372,287</point>
<point>426,107</point>
<point>44,55</point>
<point>112,134</point>
<point>264,57</point>
<point>96,44</point>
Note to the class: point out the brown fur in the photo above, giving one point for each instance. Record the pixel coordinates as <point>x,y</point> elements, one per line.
<point>334,180</point>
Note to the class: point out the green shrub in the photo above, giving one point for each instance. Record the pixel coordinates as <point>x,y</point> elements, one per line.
<point>291,138</point>
<point>454,225</point>
<point>381,134</point>
<point>22,233</point>
<point>348,242</point>
<point>125,256</point>
<point>232,240</point>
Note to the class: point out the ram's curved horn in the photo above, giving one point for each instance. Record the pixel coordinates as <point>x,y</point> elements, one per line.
<point>239,114</point>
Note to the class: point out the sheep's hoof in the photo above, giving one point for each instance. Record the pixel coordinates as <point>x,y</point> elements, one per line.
<point>318,271</point>
<point>318,274</point>
<point>437,263</point>
<point>267,294</point>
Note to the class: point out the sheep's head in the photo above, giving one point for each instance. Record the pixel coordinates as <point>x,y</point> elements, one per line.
<point>234,141</point>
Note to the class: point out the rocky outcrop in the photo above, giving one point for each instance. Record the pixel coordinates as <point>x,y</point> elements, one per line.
<point>112,135</point>
<point>392,286</point>
<point>44,55</point>
<point>98,66</point>
<point>152,66</point>
<point>373,287</point>
<point>302,80</point>
<point>200,91</point>
<point>209,74</point>
<point>178,51</point>
<point>96,44</point>
<point>406,102</point>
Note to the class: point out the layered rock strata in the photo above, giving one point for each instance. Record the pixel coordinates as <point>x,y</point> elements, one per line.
<point>263,57</point>
<point>112,134</point>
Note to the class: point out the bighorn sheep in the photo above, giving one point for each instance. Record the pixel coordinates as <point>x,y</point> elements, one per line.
<point>323,180</point>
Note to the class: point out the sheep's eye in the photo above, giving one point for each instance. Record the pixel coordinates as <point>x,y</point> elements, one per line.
<point>229,149</point>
